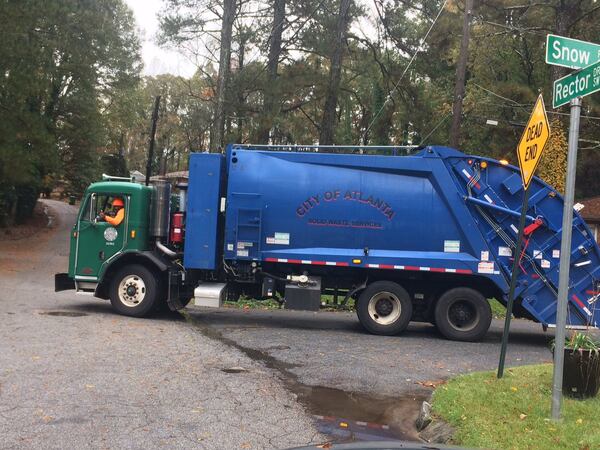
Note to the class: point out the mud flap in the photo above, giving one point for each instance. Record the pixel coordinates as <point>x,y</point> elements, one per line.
<point>62,282</point>
<point>174,290</point>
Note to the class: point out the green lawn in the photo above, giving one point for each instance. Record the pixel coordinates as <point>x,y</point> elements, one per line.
<point>513,413</point>
<point>498,309</point>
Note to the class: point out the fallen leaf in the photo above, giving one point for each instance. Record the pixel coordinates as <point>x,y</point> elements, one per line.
<point>89,386</point>
<point>522,416</point>
<point>514,389</point>
<point>431,384</point>
<point>579,421</point>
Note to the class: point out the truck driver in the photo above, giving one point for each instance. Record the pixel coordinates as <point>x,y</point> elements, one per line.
<point>119,213</point>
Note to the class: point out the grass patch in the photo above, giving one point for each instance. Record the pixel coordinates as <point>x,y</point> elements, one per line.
<point>513,413</point>
<point>250,303</point>
<point>498,309</point>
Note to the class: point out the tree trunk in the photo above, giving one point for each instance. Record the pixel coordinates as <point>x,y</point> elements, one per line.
<point>561,27</point>
<point>461,71</point>
<point>240,93</point>
<point>271,92</point>
<point>329,119</point>
<point>218,129</point>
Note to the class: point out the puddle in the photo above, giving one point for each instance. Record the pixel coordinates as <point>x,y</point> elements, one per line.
<point>341,415</point>
<point>62,313</point>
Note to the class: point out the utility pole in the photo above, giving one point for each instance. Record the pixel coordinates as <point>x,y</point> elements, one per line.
<point>461,70</point>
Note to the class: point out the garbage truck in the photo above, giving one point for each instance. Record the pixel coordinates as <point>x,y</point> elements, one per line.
<point>429,236</point>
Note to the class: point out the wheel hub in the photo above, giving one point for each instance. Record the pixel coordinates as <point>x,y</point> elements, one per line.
<point>462,315</point>
<point>132,290</point>
<point>384,308</point>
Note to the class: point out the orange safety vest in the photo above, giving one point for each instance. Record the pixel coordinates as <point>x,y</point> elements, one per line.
<point>114,221</point>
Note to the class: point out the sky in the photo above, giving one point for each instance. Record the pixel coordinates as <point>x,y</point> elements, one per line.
<point>157,60</point>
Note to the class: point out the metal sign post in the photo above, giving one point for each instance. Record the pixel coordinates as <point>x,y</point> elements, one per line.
<point>565,260</point>
<point>530,149</point>
<point>513,283</point>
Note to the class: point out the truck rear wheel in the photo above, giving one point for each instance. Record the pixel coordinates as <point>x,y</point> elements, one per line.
<point>463,314</point>
<point>384,308</point>
<point>134,291</point>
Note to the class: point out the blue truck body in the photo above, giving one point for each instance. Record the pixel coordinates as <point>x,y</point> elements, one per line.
<point>437,215</point>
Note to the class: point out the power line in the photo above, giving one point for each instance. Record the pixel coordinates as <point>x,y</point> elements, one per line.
<point>435,128</point>
<point>526,106</point>
<point>389,96</point>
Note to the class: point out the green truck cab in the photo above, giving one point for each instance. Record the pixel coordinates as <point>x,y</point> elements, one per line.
<point>125,263</point>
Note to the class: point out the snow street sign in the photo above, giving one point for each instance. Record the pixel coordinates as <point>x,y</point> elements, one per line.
<point>571,53</point>
<point>533,141</point>
<point>578,84</point>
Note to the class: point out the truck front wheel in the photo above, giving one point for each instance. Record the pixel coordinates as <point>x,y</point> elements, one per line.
<point>384,308</point>
<point>134,291</point>
<point>463,314</point>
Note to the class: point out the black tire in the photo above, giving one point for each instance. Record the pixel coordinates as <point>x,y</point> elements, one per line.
<point>463,314</point>
<point>384,308</point>
<point>134,291</point>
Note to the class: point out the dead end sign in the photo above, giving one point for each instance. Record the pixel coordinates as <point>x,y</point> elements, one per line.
<point>533,141</point>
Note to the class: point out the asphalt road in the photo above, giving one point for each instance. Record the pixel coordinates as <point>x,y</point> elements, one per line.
<point>90,378</point>
<point>93,379</point>
<point>331,349</point>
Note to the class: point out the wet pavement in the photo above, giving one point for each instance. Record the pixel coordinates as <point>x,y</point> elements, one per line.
<point>341,415</point>
<point>343,375</point>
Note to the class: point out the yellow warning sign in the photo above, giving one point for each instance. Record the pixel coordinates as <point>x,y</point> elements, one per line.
<point>533,141</point>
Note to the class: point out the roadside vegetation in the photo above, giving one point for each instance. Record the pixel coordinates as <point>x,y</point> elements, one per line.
<point>75,101</point>
<point>513,412</point>
<point>498,309</point>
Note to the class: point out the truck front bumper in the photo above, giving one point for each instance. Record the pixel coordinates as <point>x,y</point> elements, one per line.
<point>62,282</point>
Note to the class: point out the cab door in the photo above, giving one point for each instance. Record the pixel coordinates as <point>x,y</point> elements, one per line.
<point>97,241</point>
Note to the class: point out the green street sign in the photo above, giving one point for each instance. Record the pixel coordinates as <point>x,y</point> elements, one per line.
<point>571,53</point>
<point>578,84</point>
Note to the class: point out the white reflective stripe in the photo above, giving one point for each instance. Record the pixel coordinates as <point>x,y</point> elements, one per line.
<point>425,269</point>
<point>281,260</point>
<point>588,312</point>
<point>81,277</point>
<point>450,270</point>
<point>374,266</point>
<point>399,267</point>
<point>305,261</point>
<point>329,263</point>
<point>468,175</point>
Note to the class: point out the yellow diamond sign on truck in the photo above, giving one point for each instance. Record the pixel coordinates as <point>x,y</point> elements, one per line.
<point>533,141</point>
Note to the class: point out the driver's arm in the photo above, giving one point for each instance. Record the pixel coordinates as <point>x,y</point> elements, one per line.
<point>114,221</point>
